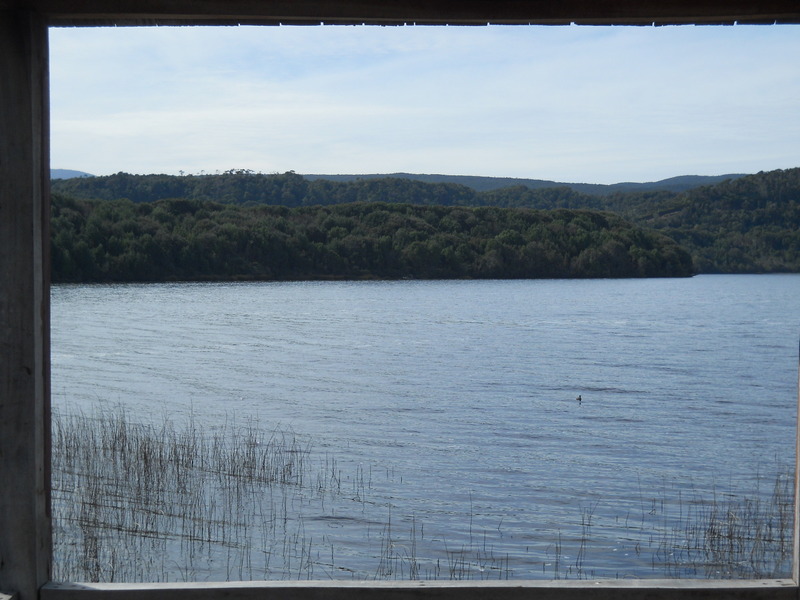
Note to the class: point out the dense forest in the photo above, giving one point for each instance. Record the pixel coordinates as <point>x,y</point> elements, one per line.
<point>182,239</point>
<point>478,183</point>
<point>746,224</point>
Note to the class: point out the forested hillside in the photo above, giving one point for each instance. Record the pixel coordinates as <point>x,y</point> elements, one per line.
<point>744,225</point>
<point>181,239</point>
<point>193,186</point>
<point>485,184</point>
<point>749,225</point>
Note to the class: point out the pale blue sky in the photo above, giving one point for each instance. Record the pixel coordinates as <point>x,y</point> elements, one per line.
<point>592,104</point>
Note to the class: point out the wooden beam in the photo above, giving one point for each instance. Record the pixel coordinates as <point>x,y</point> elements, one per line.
<point>397,12</point>
<point>796,528</point>
<point>431,590</point>
<point>24,306</point>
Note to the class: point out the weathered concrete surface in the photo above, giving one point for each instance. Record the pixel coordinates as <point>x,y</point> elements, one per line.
<point>24,306</point>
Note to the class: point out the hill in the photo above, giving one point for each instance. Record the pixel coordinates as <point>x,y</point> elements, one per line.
<point>485,184</point>
<point>479,184</point>
<point>746,224</point>
<point>99,240</point>
<point>67,174</point>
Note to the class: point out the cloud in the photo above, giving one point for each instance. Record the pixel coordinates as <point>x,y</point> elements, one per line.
<point>596,104</point>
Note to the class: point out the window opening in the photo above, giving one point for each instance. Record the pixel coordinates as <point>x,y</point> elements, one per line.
<point>271,466</point>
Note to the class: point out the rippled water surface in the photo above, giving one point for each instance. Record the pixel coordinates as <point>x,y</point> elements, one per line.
<point>457,399</point>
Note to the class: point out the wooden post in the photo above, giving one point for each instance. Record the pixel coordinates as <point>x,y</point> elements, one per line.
<point>25,536</point>
<point>796,541</point>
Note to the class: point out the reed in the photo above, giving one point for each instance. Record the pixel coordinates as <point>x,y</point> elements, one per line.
<point>142,502</point>
<point>734,537</point>
<point>128,498</point>
<point>685,535</point>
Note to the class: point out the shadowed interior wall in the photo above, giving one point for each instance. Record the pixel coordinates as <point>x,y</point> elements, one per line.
<point>24,305</point>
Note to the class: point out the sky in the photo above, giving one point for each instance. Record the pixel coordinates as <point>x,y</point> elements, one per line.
<point>569,104</point>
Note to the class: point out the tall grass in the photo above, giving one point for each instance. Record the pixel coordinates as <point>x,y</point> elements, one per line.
<point>139,502</point>
<point>732,536</point>
<point>129,498</point>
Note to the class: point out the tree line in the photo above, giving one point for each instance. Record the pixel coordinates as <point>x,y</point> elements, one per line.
<point>185,239</point>
<point>749,224</point>
<point>293,190</point>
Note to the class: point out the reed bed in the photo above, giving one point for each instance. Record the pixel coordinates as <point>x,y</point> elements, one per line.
<point>139,502</point>
<point>686,535</point>
<point>731,536</point>
<point>129,498</point>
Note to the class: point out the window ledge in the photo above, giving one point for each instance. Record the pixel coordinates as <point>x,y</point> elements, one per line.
<point>651,589</point>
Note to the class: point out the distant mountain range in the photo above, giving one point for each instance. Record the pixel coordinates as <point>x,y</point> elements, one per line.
<point>67,174</point>
<point>484,184</point>
<point>681,183</point>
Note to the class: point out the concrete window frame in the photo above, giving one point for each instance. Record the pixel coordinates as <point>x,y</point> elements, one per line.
<point>25,526</point>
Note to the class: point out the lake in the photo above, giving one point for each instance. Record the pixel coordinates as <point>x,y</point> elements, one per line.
<point>450,411</point>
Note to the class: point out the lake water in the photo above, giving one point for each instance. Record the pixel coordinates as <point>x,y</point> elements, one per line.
<point>456,401</point>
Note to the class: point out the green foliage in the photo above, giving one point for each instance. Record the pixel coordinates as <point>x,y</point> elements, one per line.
<point>745,224</point>
<point>291,189</point>
<point>180,239</point>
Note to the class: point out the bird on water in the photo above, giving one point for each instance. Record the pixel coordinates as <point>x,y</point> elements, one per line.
<point>578,398</point>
